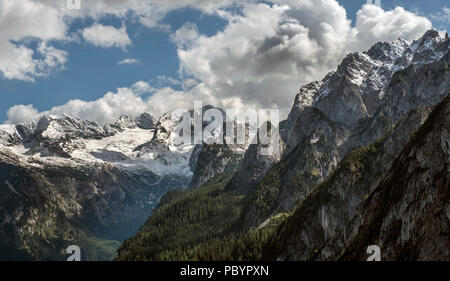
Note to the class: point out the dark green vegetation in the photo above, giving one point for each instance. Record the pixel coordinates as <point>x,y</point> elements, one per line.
<point>184,218</point>
<point>201,224</point>
<point>235,246</point>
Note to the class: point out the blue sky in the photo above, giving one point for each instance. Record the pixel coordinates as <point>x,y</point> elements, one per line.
<point>91,71</point>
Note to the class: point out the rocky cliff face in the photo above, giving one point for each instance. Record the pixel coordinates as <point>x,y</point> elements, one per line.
<point>225,157</point>
<point>213,160</point>
<point>408,214</point>
<point>352,107</point>
<point>399,205</point>
<point>333,203</point>
<point>254,165</point>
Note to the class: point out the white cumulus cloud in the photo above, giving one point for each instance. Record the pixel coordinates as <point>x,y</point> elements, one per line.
<point>107,36</point>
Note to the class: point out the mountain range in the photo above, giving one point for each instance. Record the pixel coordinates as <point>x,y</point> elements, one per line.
<point>364,160</point>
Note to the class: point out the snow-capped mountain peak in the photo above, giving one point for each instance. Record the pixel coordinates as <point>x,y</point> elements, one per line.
<point>368,73</point>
